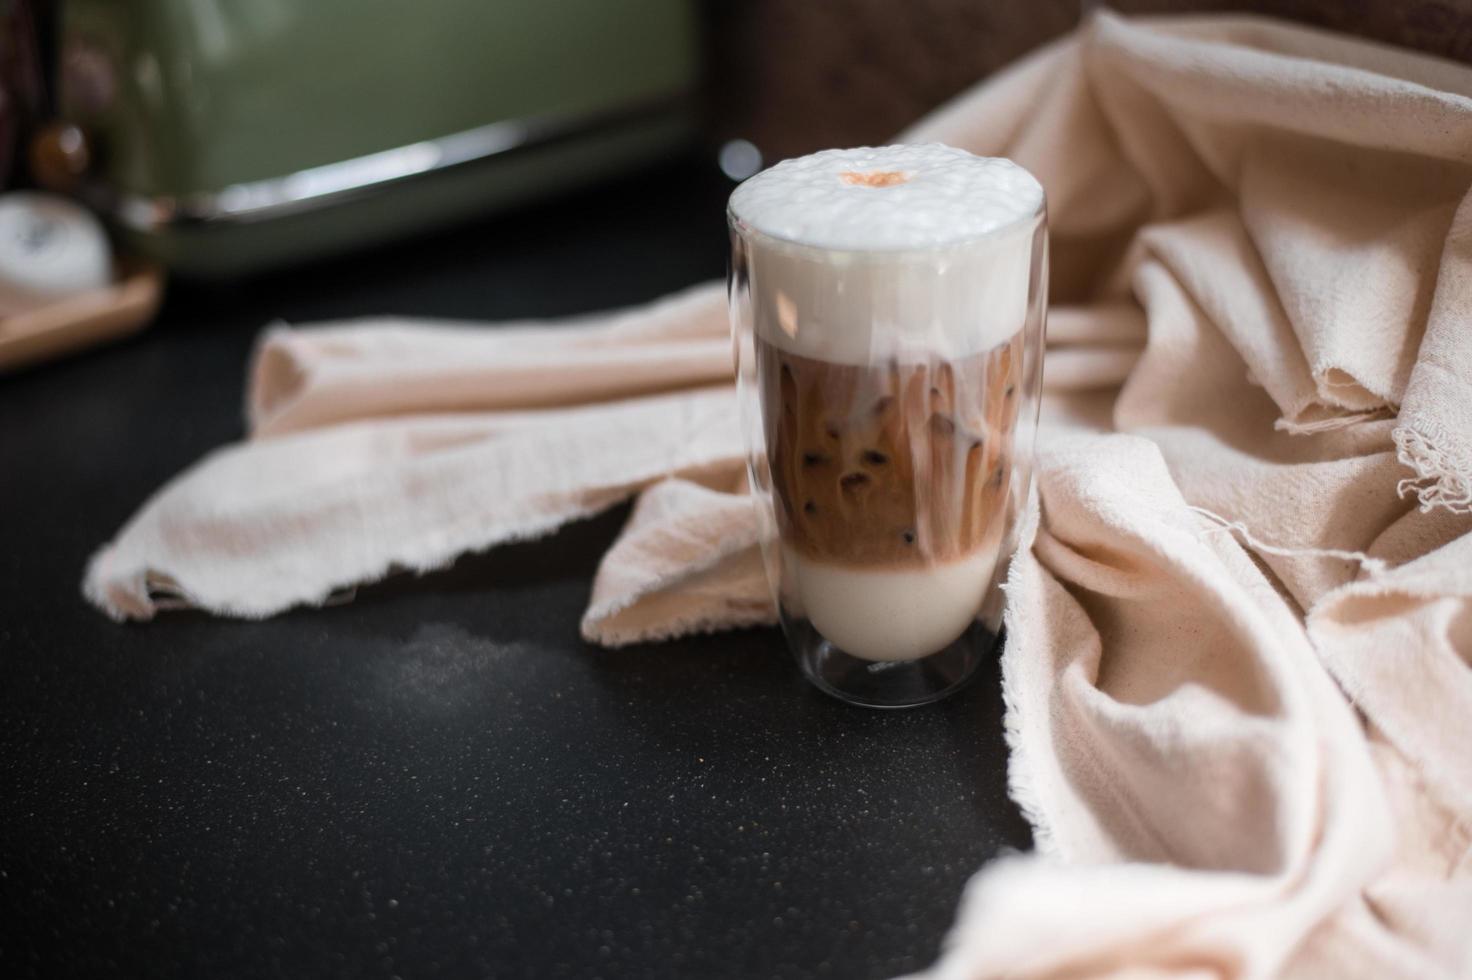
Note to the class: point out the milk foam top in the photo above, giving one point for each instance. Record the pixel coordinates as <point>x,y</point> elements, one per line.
<point>907,252</point>
<point>887,197</point>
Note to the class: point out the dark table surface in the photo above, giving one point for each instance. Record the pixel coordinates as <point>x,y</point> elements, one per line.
<point>440,778</point>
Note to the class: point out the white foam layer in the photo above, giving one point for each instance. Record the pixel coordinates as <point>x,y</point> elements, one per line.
<point>918,196</point>
<point>890,615</point>
<point>901,252</point>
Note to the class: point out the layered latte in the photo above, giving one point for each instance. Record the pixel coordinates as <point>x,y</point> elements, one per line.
<point>889,290</point>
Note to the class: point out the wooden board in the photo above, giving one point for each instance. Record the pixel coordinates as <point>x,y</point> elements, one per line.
<point>83,320</point>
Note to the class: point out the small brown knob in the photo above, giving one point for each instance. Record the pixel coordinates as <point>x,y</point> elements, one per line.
<point>60,156</point>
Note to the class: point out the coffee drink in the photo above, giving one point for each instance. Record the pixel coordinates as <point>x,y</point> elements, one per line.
<point>896,468</point>
<point>888,294</point>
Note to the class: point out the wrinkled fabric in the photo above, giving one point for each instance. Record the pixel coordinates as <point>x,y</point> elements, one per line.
<point>1237,666</point>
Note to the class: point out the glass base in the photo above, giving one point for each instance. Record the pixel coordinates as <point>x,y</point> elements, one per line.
<point>890,684</point>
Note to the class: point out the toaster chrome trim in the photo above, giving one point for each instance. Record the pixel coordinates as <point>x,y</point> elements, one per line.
<point>334,183</point>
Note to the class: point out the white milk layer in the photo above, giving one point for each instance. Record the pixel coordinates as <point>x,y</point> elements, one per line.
<point>890,615</point>
<point>900,252</point>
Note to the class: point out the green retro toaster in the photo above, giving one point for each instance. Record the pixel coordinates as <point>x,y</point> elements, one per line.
<point>226,136</point>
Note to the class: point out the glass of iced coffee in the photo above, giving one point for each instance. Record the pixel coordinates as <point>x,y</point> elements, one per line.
<point>888,311</point>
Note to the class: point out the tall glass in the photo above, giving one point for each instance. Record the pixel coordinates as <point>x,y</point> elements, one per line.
<point>889,398</point>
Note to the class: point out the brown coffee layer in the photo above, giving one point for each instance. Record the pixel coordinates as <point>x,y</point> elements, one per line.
<point>890,464</point>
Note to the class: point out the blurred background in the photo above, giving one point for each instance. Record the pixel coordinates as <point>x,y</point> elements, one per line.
<point>219,139</point>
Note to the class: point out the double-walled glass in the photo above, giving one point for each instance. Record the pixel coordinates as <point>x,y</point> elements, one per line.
<point>889,400</point>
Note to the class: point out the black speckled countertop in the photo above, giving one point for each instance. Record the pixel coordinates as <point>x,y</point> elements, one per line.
<point>439,779</point>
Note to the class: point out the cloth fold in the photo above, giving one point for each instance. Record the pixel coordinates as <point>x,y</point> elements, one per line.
<point>1238,671</point>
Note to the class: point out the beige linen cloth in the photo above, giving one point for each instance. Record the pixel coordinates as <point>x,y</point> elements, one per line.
<point>1237,669</point>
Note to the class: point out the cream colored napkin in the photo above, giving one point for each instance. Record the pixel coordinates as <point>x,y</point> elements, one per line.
<point>1237,670</point>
